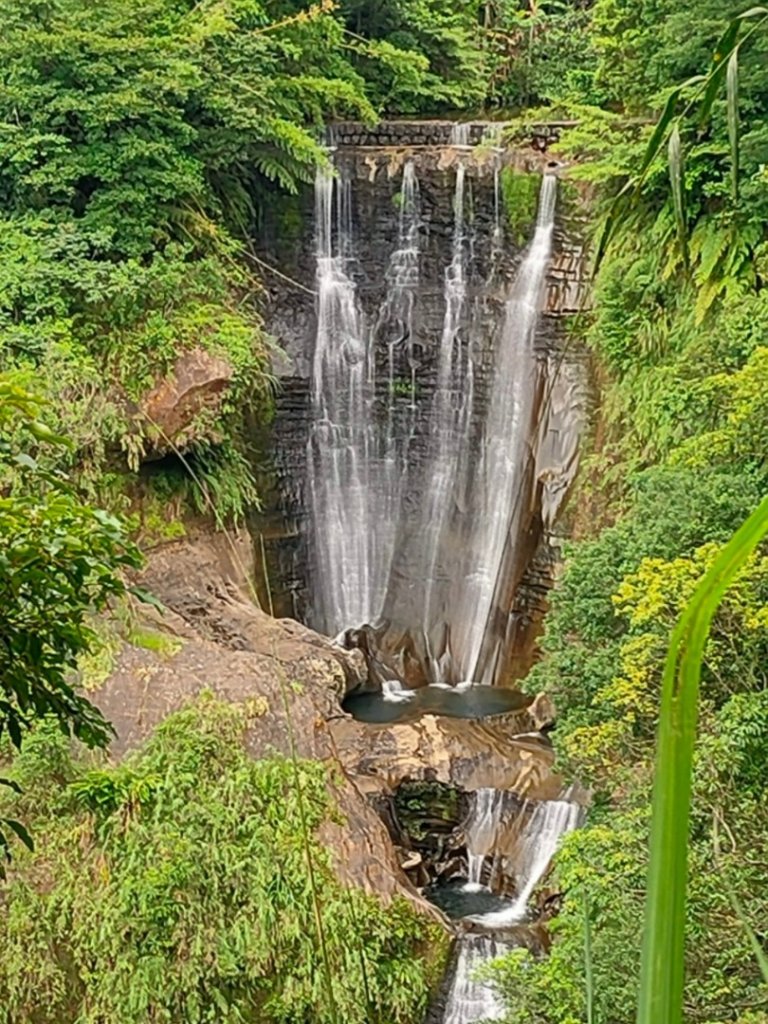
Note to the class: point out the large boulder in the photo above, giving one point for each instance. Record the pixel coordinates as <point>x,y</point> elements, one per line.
<point>499,753</point>
<point>288,679</point>
<point>184,404</point>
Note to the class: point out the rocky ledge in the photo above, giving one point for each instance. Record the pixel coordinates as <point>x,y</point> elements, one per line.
<point>291,682</point>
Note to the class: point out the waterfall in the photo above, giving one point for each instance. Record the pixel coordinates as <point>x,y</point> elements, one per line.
<point>355,467</point>
<point>470,1000</point>
<point>497,486</point>
<point>460,133</point>
<point>395,319</point>
<point>492,813</point>
<point>549,822</point>
<point>451,405</point>
<point>475,865</point>
<point>416,517</point>
<point>394,692</point>
<point>481,832</point>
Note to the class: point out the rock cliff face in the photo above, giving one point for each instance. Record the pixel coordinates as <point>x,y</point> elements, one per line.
<point>372,161</point>
<point>291,682</point>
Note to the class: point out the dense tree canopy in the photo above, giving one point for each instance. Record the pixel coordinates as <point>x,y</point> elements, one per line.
<point>678,328</point>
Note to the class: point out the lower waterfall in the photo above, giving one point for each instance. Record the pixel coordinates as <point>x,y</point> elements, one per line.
<point>549,822</point>
<point>470,999</point>
<point>528,854</point>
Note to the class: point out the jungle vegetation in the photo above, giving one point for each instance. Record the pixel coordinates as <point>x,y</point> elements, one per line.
<point>678,327</point>
<point>139,143</point>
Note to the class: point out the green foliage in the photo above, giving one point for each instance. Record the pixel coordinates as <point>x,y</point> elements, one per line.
<point>663,966</point>
<point>60,561</point>
<point>540,52</point>
<point>175,887</point>
<point>135,138</point>
<point>520,198</point>
<point>418,55</point>
<point>679,463</point>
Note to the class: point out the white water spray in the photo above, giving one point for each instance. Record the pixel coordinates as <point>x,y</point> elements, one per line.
<point>356,464</point>
<point>393,691</point>
<point>481,833</point>
<point>497,486</point>
<point>549,822</point>
<point>349,558</point>
<point>471,1000</point>
<point>449,416</point>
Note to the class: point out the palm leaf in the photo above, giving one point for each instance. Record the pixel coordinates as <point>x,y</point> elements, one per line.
<point>662,972</point>
<point>719,63</point>
<point>656,139</point>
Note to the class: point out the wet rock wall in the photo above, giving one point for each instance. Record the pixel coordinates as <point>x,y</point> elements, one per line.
<point>372,161</point>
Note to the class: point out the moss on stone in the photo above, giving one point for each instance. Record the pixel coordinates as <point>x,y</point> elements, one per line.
<point>520,199</point>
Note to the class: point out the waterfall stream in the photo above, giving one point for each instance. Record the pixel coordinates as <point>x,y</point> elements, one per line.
<point>547,822</point>
<point>497,481</point>
<point>427,523</point>
<point>469,999</point>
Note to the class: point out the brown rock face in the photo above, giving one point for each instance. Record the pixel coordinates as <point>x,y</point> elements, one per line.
<point>191,391</point>
<point>288,679</point>
<point>291,682</point>
<point>498,753</point>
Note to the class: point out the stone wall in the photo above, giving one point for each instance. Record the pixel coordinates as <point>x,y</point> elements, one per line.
<point>430,133</point>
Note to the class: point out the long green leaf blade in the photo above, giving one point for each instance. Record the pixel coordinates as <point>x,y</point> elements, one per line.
<point>675,151</point>
<point>21,832</point>
<point>732,86</point>
<point>662,972</point>
<point>589,977</point>
<point>656,139</point>
<point>757,949</point>
<point>720,56</point>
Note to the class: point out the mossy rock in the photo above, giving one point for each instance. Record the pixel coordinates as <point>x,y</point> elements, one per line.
<point>520,202</point>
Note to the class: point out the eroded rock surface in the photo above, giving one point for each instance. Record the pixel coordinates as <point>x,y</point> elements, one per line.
<point>291,681</point>
<point>190,394</point>
<point>496,753</point>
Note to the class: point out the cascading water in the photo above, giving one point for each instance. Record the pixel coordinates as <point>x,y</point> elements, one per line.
<point>395,328</point>
<point>427,522</point>
<point>341,456</point>
<point>545,825</point>
<point>550,821</point>
<point>355,467</point>
<point>497,484</point>
<point>452,405</point>
<point>420,482</point>
<point>470,999</point>
<point>481,832</point>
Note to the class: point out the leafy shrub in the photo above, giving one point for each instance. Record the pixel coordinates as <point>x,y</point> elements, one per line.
<point>176,887</point>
